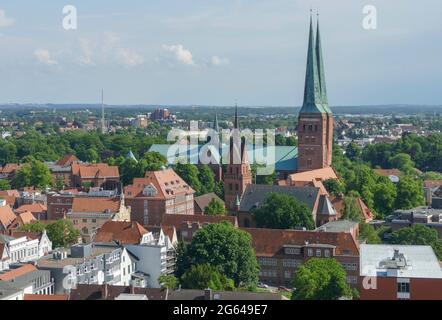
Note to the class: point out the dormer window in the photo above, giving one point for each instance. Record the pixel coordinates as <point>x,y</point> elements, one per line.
<point>150,191</point>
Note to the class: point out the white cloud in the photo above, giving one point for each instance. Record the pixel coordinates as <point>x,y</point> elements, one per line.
<point>217,61</point>
<point>87,52</point>
<point>129,57</point>
<point>180,54</point>
<point>44,56</point>
<point>5,21</point>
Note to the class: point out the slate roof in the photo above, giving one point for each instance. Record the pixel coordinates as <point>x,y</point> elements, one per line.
<point>203,201</point>
<point>255,194</point>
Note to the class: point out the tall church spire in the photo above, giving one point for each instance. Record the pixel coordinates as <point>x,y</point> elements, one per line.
<point>321,72</point>
<point>312,91</point>
<point>236,122</point>
<point>215,123</point>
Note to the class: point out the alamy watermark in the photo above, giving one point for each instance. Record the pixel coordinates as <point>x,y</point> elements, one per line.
<point>224,147</point>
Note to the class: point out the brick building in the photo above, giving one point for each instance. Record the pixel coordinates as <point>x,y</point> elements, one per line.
<point>281,252</point>
<point>187,226</point>
<point>158,194</point>
<point>99,175</point>
<point>396,272</point>
<point>238,174</point>
<point>315,122</point>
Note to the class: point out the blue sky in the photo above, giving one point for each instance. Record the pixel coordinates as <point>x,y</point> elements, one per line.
<point>214,52</point>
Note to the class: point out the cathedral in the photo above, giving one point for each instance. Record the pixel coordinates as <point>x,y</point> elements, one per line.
<point>315,134</point>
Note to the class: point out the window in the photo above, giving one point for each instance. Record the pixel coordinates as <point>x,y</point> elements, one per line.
<point>310,252</point>
<point>292,251</point>
<point>318,252</point>
<point>267,261</point>
<point>84,220</point>
<point>94,220</point>
<point>403,287</point>
<point>352,279</point>
<point>326,253</point>
<point>236,187</point>
<point>287,274</point>
<point>291,263</point>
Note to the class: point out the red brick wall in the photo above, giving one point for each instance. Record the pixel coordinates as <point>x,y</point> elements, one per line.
<point>420,289</point>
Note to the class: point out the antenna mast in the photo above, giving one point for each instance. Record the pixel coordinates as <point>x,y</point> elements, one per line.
<point>103,124</point>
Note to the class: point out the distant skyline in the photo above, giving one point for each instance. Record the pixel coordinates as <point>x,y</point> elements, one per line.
<point>199,52</point>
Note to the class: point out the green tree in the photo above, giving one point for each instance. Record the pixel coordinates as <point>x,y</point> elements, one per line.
<point>152,161</point>
<point>281,211</point>
<point>4,185</point>
<point>403,162</point>
<point>418,234</point>
<point>222,246</point>
<point>368,233</point>
<point>215,208</point>
<point>41,177</point>
<point>130,169</point>
<point>62,233</point>
<point>352,210</point>
<point>168,281</point>
<point>385,194</point>
<point>207,179</point>
<point>409,193</point>
<point>334,187</point>
<point>320,279</point>
<point>203,276</point>
<point>22,178</point>
<point>189,173</point>
<point>353,151</point>
<point>35,226</point>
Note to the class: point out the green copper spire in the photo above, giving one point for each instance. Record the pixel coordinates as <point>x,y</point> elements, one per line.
<point>312,92</point>
<point>321,72</point>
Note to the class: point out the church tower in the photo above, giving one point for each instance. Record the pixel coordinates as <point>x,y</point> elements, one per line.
<point>315,122</point>
<point>238,174</point>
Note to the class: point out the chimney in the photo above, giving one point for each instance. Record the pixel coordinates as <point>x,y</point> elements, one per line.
<point>208,294</point>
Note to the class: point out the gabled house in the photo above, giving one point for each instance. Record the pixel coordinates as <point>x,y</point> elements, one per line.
<point>95,175</point>
<point>157,195</point>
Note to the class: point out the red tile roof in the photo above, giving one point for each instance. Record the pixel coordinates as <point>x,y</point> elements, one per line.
<point>10,168</point>
<point>267,242</point>
<point>67,160</point>
<point>388,172</point>
<point>432,183</point>
<point>97,170</point>
<point>7,216</point>
<point>123,232</point>
<point>338,204</point>
<point>9,196</point>
<point>203,201</point>
<point>34,208</point>
<point>92,204</point>
<point>166,182</point>
<point>319,174</point>
<point>14,273</point>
